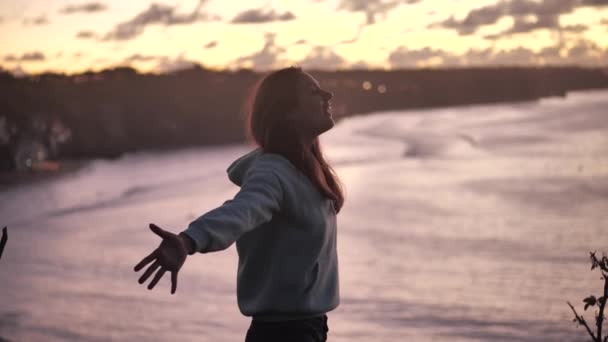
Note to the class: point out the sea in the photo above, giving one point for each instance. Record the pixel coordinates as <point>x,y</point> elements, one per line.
<point>469,223</point>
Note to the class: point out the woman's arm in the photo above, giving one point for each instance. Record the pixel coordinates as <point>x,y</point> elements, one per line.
<point>260,196</point>
<point>188,243</point>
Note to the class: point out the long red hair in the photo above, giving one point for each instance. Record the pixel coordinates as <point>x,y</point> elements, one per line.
<point>272,98</point>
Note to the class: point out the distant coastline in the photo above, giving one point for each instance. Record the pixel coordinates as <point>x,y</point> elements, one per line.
<point>108,113</point>
<point>12,178</point>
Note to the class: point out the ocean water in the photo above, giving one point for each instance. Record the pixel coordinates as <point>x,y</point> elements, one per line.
<point>460,224</point>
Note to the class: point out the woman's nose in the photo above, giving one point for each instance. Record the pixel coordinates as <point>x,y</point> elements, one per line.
<point>327,95</point>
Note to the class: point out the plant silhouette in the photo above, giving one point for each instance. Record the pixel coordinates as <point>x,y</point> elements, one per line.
<point>3,241</point>
<point>602,264</point>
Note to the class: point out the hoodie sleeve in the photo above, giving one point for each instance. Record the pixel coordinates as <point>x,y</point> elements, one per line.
<point>258,199</point>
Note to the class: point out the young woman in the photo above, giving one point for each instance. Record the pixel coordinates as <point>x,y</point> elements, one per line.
<point>283,218</point>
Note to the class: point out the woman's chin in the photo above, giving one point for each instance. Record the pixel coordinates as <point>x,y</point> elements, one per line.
<point>331,121</point>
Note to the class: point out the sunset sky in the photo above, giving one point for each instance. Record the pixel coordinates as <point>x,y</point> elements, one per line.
<point>73,36</point>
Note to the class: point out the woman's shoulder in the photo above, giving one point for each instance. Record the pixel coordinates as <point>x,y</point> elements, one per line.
<point>267,164</point>
<point>282,168</point>
<point>275,161</point>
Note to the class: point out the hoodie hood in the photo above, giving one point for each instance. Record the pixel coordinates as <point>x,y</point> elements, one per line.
<point>237,170</point>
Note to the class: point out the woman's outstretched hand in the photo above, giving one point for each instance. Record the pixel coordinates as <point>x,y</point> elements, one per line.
<point>169,256</point>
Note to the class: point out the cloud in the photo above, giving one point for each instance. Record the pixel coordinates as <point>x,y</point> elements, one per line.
<point>474,19</point>
<point>265,59</point>
<point>34,56</point>
<point>169,65</point>
<point>164,64</point>
<point>527,15</point>
<point>17,71</point>
<point>474,57</point>
<point>102,60</point>
<point>210,45</point>
<point>587,52</point>
<point>137,57</point>
<point>524,27</point>
<point>86,35</point>
<point>575,28</point>
<point>402,57</point>
<point>36,21</point>
<point>156,14</point>
<point>515,56</point>
<point>581,52</point>
<point>259,15</point>
<point>372,8</point>
<point>355,38</point>
<point>89,7</point>
<point>360,65</point>
<point>322,57</point>
<point>594,2</point>
<point>300,42</point>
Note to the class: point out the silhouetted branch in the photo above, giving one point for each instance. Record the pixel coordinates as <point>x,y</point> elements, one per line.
<point>3,241</point>
<point>602,264</point>
<point>582,322</point>
<point>602,302</point>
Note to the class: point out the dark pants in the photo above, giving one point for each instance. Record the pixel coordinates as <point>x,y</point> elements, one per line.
<point>302,330</point>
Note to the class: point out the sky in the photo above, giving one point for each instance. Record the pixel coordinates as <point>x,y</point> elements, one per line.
<point>159,36</point>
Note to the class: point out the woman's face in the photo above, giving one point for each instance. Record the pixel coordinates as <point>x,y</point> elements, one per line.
<point>312,116</point>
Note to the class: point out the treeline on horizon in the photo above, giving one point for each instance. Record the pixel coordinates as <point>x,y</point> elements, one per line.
<point>107,113</point>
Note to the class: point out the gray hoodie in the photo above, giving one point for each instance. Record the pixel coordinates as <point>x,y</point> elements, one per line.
<point>285,233</point>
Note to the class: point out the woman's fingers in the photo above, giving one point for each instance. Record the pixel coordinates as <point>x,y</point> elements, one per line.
<point>165,235</point>
<point>158,231</point>
<point>149,271</point>
<point>173,281</point>
<point>157,277</point>
<point>145,261</point>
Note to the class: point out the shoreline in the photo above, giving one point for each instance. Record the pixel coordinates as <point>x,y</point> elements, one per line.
<point>13,179</point>
<point>49,170</point>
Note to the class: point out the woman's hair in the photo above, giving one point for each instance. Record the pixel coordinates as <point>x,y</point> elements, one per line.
<point>272,98</point>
